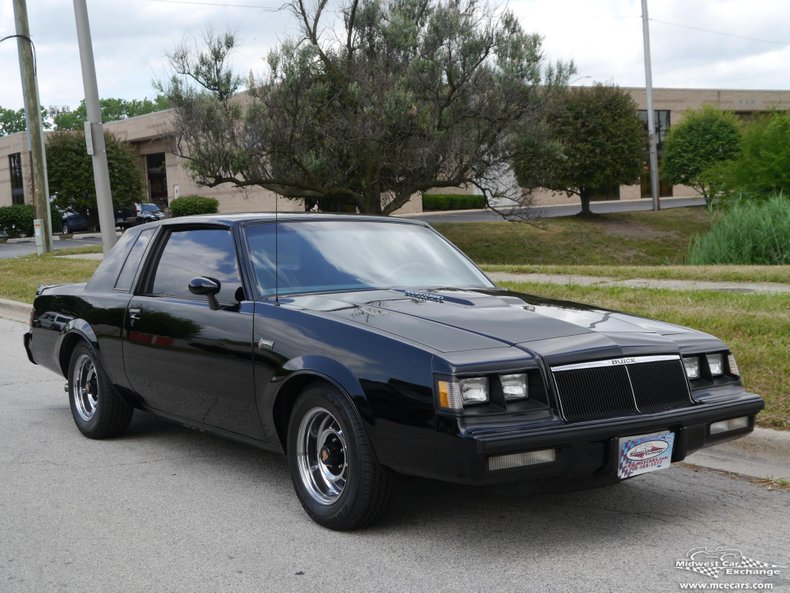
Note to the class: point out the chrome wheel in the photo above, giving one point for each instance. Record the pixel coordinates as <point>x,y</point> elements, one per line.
<point>85,387</point>
<point>322,456</point>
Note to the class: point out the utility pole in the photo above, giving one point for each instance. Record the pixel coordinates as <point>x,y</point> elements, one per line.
<point>651,114</point>
<point>94,131</point>
<point>35,129</point>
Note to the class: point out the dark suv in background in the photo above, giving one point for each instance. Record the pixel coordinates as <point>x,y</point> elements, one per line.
<point>138,214</point>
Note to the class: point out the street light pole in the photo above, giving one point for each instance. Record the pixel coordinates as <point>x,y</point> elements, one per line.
<point>94,131</point>
<point>35,129</point>
<point>651,120</point>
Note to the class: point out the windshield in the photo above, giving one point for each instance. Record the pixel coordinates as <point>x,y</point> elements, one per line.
<point>335,255</point>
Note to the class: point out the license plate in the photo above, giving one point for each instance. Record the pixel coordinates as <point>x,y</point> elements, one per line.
<point>644,453</point>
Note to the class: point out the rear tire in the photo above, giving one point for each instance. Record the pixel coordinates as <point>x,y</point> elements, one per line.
<point>98,410</point>
<point>333,467</point>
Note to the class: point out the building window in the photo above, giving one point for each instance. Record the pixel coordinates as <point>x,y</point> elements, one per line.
<point>662,122</point>
<point>17,180</point>
<point>156,170</point>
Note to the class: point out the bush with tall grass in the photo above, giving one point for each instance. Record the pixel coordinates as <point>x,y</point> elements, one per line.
<point>748,232</point>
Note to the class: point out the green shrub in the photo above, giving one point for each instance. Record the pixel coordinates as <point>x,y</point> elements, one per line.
<point>17,220</point>
<point>453,202</point>
<point>763,166</point>
<point>749,232</point>
<point>189,205</point>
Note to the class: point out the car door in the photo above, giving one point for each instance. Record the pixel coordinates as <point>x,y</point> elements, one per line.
<point>182,358</point>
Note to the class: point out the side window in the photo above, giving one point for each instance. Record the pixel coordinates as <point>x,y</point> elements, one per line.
<point>198,252</point>
<point>129,270</point>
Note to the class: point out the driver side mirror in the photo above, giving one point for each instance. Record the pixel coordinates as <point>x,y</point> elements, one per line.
<point>210,287</point>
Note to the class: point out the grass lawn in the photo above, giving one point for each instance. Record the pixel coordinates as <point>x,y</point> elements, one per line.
<point>709,273</point>
<point>21,276</point>
<point>629,238</point>
<point>755,326</point>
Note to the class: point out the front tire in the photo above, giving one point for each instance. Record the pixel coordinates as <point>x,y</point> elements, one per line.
<point>333,467</point>
<point>98,410</point>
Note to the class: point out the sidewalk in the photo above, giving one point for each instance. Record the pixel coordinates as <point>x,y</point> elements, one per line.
<point>603,281</point>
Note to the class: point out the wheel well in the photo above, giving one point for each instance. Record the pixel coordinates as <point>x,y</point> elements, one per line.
<point>69,343</point>
<point>286,398</point>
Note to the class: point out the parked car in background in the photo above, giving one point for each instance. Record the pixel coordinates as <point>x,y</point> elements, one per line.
<point>364,348</point>
<point>73,222</point>
<point>139,213</point>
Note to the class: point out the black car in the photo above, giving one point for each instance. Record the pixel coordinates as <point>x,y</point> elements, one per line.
<point>367,347</point>
<point>73,221</point>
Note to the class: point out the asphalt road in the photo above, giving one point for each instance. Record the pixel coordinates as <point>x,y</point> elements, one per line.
<point>558,211</point>
<point>29,247</point>
<point>166,509</point>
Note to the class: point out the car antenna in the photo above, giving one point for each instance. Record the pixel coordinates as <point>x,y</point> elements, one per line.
<point>276,249</point>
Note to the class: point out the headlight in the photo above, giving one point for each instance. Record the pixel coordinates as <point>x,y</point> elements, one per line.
<point>716,364</point>
<point>514,386</point>
<point>733,366</point>
<point>474,390</point>
<point>692,367</point>
<point>457,393</point>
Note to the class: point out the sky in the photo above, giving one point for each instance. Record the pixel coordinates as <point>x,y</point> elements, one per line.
<point>725,44</point>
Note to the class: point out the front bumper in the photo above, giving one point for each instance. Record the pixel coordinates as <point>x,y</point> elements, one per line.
<point>583,449</point>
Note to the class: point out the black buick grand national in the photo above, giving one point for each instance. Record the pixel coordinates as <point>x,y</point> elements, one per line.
<point>364,348</point>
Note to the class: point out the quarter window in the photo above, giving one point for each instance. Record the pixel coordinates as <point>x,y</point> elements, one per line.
<point>126,277</point>
<point>198,252</point>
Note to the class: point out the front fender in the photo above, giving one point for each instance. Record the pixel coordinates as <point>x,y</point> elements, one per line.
<point>277,398</point>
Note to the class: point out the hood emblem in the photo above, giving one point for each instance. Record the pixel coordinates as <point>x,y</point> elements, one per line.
<point>424,296</point>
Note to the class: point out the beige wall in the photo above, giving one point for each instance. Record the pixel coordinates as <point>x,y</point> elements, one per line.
<point>9,145</point>
<point>149,134</point>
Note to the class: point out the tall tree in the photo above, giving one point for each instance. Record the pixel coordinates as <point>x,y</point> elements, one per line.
<point>704,138</point>
<point>590,139</point>
<point>412,95</point>
<point>70,172</point>
<point>13,121</point>
<point>112,109</point>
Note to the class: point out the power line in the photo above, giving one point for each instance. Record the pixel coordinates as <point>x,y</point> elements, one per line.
<point>220,4</point>
<point>32,45</point>
<point>721,33</point>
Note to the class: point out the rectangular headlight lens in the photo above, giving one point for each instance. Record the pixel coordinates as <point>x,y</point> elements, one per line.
<point>692,367</point>
<point>729,425</point>
<point>514,386</point>
<point>733,366</point>
<point>474,390</point>
<point>716,364</point>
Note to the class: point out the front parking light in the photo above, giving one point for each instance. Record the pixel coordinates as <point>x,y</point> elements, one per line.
<point>497,462</point>
<point>729,425</point>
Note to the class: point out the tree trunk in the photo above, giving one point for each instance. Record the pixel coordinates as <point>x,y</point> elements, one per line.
<point>585,195</point>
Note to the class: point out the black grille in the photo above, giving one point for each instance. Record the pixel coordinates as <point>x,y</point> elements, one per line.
<point>609,390</point>
<point>659,386</point>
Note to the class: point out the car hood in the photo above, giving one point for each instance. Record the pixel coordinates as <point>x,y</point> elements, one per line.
<point>461,320</point>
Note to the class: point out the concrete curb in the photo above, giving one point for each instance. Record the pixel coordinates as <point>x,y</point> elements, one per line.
<point>763,454</point>
<point>15,311</point>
